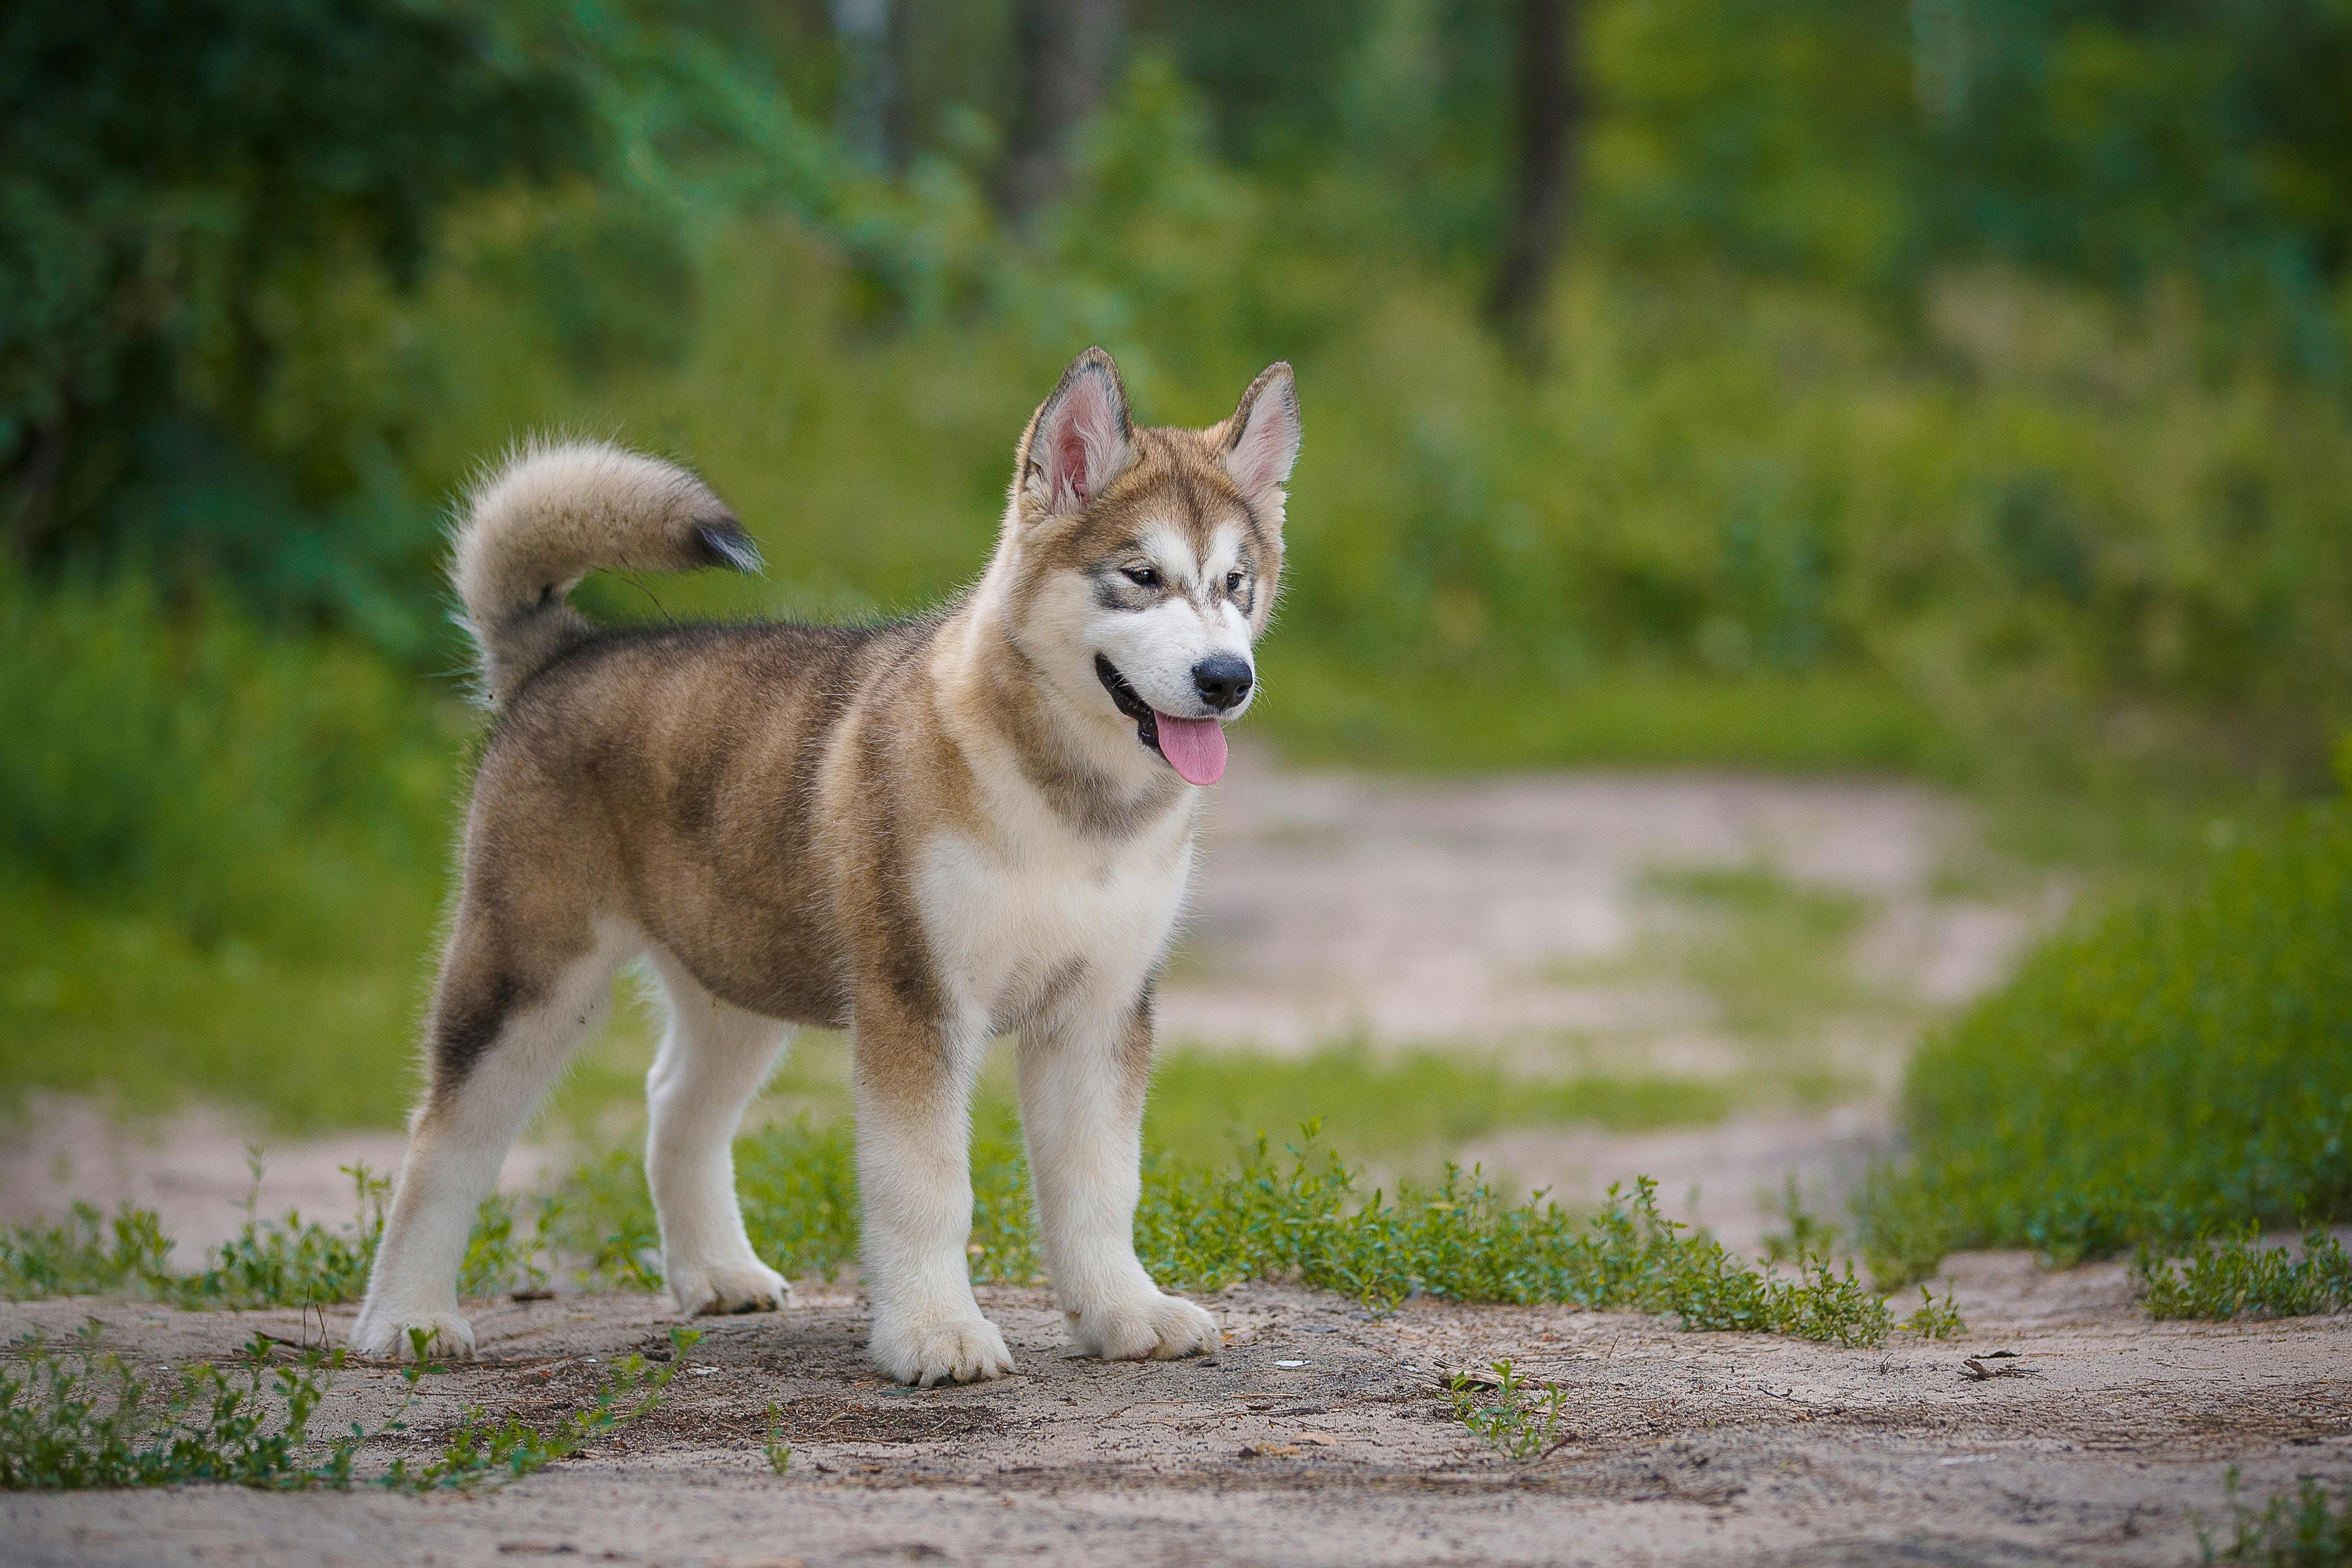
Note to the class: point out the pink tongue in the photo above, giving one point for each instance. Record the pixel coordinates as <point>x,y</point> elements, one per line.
<point>1195,747</point>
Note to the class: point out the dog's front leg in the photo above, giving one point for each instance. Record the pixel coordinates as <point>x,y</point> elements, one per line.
<point>1083,1071</point>
<point>914,1172</point>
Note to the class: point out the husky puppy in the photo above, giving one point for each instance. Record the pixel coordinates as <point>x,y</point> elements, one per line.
<point>927,832</point>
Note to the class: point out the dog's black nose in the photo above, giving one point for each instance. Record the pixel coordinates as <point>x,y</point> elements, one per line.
<point>1223,681</point>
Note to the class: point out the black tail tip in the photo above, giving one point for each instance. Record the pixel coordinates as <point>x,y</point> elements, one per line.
<point>724,544</point>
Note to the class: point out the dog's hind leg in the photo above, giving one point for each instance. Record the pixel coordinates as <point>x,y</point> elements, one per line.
<point>1083,1066</point>
<point>504,1023</point>
<point>713,1059</point>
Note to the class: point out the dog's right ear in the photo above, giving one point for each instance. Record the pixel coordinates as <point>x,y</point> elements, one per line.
<point>1079,440</point>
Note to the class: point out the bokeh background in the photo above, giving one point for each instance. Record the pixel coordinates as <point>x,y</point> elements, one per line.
<point>1957,391</point>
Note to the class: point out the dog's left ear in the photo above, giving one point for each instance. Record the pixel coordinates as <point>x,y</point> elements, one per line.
<point>1079,440</point>
<point>1261,438</point>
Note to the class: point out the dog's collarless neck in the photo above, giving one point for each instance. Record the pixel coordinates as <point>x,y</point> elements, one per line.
<point>1009,695</point>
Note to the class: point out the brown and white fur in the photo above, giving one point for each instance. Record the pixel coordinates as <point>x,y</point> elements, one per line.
<point>928,832</point>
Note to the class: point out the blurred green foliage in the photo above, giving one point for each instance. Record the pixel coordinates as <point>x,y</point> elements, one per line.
<point>2180,1067</point>
<point>217,842</point>
<point>183,183</point>
<point>2309,1528</point>
<point>1406,1111</point>
<point>1977,360</point>
<point>1956,388</point>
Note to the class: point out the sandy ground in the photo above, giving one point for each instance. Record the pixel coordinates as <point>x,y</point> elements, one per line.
<point>1317,1435</point>
<point>1333,904</point>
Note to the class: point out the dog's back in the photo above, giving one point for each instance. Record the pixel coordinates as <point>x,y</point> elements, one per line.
<point>670,778</point>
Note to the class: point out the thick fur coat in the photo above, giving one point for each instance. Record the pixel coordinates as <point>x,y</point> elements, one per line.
<point>928,832</point>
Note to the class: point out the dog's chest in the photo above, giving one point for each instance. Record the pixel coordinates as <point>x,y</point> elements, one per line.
<point>1005,927</point>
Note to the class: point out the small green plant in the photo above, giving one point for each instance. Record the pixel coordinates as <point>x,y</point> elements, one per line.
<point>2236,1276</point>
<point>2311,1528</point>
<point>1808,1238</point>
<point>269,1263</point>
<point>85,1254</point>
<point>497,1258</point>
<point>779,1452</point>
<point>280,1262</point>
<point>85,1418</point>
<point>1935,1320</point>
<point>288,1262</point>
<point>1515,1422</point>
<point>493,1448</point>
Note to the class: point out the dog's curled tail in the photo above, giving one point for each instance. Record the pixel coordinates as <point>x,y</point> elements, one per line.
<point>551,514</point>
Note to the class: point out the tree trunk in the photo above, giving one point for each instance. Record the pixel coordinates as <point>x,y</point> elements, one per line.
<point>868,115</point>
<point>1549,103</point>
<point>1064,52</point>
<point>28,492</point>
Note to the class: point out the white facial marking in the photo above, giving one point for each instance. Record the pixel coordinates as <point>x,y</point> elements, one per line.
<point>1158,647</point>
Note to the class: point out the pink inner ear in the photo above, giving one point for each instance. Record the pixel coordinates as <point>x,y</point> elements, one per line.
<point>1070,457</point>
<point>1268,443</point>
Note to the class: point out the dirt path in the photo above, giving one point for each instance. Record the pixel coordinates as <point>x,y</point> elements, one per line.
<point>1317,1435</point>
<point>1491,912</point>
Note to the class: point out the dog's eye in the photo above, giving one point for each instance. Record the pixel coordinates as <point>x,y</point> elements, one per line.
<point>1142,576</point>
<point>1232,582</point>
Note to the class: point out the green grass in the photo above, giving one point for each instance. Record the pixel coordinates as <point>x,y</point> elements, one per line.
<point>1774,955</point>
<point>288,1262</point>
<point>1403,1110</point>
<point>130,1009</point>
<point>2237,1276</point>
<point>2179,1067</point>
<point>1302,1216</point>
<point>84,1418</point>
<point>221,856</point>
<point>2311,1528</point>
<point>1320,709</point>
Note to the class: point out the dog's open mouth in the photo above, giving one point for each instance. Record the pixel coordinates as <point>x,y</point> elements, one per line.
<point>1195,747</point>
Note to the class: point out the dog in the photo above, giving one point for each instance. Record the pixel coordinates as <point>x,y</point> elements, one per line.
<point>928,832</point>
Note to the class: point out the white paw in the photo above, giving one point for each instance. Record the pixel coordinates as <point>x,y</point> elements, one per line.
<point>390,1334</point>
<point>710,1289</point>
<point>960,1349</point>
<point>1147,1328</point>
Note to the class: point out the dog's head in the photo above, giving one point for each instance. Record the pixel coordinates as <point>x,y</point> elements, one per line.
<point>1147,560</point>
